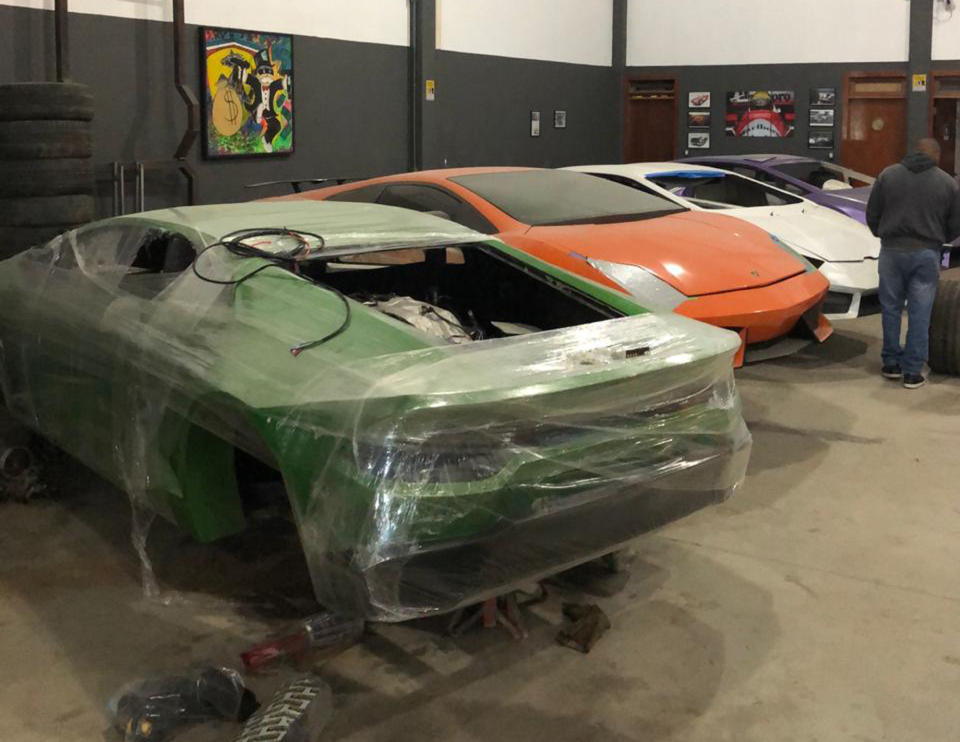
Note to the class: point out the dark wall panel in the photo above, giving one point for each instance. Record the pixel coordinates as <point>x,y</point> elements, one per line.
<point>483,112</point>
<point>350,101</point>
<point>718,80</point>
<point>351,106</point>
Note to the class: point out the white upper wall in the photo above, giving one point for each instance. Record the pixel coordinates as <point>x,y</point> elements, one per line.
<point>946,33</point>
<point>721,32</point>
<point>579,31</point>
<point>374,21</point>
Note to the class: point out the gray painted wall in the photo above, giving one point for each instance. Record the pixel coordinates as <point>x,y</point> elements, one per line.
<point>350,102</point>
<point>483,112</point>
<point>352,113</point>
<point>718,80</point>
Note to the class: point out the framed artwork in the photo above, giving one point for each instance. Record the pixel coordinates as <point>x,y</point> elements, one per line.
<point>821,139</point>
<point>821,117</point>
<point>698,118</point>
<point>559,119</point>
<point>761,113</point>
<point>823,97</point>
<point>698,140</point>
<point>247,92</point>
<point>700,99</point>
<point>534,123</point>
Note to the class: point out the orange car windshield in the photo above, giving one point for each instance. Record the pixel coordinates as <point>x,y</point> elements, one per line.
<point>556,197</point>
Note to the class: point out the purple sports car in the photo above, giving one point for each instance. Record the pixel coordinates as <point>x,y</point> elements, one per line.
<point>825,183</point>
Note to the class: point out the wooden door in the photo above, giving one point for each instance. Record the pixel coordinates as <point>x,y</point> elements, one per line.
<point>945,113</point>
<point>945,116</point>
<point>650,120</point>
<point>874,121</point>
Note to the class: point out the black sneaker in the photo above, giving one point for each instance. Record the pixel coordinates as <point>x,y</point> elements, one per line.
<point>891,372</point>
<point>913,381</point>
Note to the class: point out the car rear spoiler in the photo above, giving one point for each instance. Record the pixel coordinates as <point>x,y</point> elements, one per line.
<point>297,184</point>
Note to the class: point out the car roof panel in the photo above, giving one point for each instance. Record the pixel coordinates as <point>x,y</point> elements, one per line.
<point>340,224</point>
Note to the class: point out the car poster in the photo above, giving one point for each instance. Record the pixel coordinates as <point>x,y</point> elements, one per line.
<point>699,99</point>
<point>820,139</point>
<point>823,97</point>
<point>761,113</point>
<point>698,140</point>
<point>821,117</point>
<point>698,119</point>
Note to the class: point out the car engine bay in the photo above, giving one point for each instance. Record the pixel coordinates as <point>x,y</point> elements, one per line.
<point>458,294</point>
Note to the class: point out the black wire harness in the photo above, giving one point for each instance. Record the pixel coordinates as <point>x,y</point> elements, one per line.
<point>237,243</point>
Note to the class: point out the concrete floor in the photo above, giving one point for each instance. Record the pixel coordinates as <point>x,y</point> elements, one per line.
<point>821,603</point>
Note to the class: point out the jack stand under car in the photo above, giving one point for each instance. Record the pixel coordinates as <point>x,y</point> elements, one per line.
<point>503,610</point>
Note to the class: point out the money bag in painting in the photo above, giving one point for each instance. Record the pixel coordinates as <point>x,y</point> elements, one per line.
<point>229,113</point>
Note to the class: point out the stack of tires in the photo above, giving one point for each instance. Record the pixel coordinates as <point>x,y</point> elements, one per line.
<point>945,325</point>
<point>46,174</point>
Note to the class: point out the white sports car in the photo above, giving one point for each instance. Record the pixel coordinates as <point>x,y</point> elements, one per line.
<point>842,249</point>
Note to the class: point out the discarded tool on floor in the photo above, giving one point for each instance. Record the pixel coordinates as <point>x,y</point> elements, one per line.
<point>589,624</point>
<point>151,710</point>
<point>319,631</point>
<point>297,713</point>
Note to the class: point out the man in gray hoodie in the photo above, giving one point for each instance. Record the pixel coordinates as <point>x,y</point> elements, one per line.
<point>914,209</point>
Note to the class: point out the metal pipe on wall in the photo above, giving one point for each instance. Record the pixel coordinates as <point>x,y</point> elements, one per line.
<point>415,86</point>
<point>61,40</point>
<point>186,93</point>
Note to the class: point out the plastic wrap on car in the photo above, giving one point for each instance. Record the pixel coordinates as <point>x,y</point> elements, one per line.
<point>423,476</point>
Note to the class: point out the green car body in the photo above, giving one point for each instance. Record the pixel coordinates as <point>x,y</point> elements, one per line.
<point>423,475</point>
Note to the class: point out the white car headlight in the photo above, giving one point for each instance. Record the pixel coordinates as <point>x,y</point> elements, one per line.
<point>804,256</point>
<point>641,283</point>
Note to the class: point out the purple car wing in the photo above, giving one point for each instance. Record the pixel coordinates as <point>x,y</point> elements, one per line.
<point>771,169</point>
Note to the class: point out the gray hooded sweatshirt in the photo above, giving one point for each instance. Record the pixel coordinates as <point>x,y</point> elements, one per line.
<point>914,204</point>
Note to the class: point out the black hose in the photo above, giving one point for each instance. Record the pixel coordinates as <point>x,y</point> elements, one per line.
<point>287,261</point>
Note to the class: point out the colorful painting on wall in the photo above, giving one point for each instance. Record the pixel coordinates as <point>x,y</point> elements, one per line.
<point>248,92</point>
<point>761,113</point>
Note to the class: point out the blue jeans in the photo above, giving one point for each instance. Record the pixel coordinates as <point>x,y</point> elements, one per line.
<point>908,276</point>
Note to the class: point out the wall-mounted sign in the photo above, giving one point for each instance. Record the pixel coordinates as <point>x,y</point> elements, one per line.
<point>534,123</point>
<point>559,119</point>
<point>919,83</point>
<point>430,90</point>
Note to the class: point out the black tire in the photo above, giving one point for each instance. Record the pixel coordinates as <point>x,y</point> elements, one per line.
<point>14,240</point>
<point>22,237</point>
<point>41,140</point>
<point>945,326</point>
<point>28,101</point>
<point>43,211</point>
<point>46,177</point>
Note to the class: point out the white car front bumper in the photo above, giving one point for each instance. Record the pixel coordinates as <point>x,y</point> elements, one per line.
<point>853,288</point>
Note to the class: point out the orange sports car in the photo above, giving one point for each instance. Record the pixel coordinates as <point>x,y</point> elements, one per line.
<point>706,266</point>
